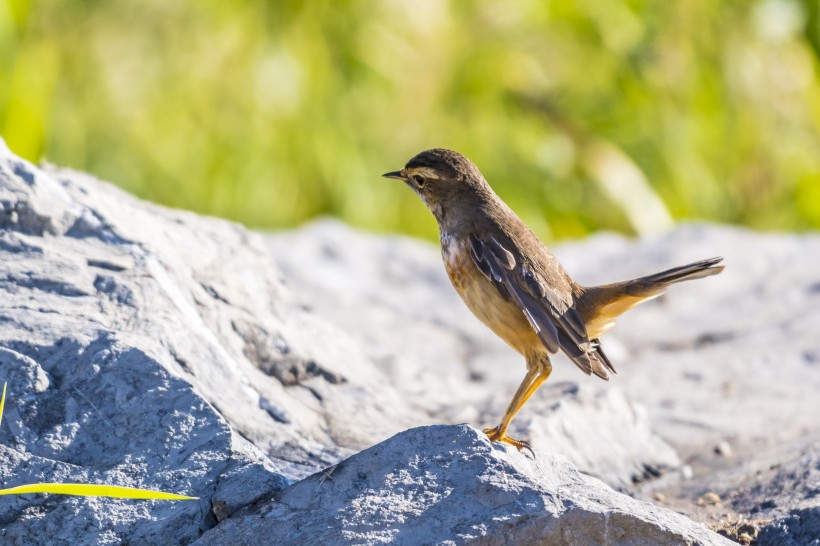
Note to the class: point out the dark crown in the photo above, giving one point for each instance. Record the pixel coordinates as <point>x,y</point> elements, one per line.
<point>447,162</point>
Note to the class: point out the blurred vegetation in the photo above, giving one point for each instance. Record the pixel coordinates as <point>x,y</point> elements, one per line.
<point>582,114</point>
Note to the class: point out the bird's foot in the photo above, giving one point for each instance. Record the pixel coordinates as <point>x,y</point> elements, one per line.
<point>496,435</point>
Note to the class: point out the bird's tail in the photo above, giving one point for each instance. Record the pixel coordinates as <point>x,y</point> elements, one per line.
<point>600,305</point>
<point>697,270</point>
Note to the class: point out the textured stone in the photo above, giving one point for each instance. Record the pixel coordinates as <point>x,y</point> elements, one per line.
<point>449,485</point>
<point>728,359</point>
<point>392,295</point>
<point>157,348</point>
<point>781,493</point>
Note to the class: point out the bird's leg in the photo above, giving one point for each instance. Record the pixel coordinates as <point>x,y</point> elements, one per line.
<point>536,375</point>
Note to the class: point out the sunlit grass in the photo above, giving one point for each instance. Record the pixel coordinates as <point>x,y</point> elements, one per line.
<point>87,489</point>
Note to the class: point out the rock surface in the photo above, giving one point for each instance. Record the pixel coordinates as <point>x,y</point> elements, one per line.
<point>449,485</point>
<point>728,358</point>
<point>783,489</point>
<point>726,367</point>
<point>392,295</point>
<point>155,348</point>
<point>158,349</point>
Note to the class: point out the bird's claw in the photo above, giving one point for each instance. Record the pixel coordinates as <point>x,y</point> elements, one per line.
<point>497,436</point>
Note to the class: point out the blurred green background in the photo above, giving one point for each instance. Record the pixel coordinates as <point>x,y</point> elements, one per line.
<point>583,115</point>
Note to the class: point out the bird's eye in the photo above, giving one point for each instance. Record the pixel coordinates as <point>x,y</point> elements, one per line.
<point>418,180</point>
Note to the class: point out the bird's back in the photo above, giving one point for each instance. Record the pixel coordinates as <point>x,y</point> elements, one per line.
<point>495,309</point>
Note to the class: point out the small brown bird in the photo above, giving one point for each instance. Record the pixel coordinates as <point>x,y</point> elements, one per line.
<point>514,285</point>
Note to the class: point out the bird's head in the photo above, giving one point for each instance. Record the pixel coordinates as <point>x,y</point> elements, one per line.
<point>447,181</point>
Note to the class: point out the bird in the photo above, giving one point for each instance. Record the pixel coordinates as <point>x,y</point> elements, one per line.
<point>512,283</point>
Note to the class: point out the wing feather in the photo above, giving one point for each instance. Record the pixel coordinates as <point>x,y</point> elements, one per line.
<point>556,322</point>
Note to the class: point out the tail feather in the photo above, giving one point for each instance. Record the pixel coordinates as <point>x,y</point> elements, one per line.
<point>600,305</point>
<point>696,270</point>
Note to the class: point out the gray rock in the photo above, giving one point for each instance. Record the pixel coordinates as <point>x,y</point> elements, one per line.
<point>728,360</point>
<point>703,359</point>
<point>392,295</point>
<point>107,413</point>
<point>783,491</point>
<point>800,528</point>
<point>154,348</point>
<point>449,485</point>
<point>578,421</point>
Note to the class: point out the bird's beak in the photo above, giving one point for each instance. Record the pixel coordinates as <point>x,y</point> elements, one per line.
<point>397,175</point>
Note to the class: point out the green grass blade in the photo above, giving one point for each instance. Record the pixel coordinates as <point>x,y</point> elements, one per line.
<point>86,490</point>
<point>91,490</point>
<point>2,403</point>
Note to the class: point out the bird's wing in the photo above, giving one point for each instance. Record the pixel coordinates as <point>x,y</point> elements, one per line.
<point>556,322</point>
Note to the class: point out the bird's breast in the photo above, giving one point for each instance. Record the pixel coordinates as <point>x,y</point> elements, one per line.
<point>453,251</point>
<point>503,317</point>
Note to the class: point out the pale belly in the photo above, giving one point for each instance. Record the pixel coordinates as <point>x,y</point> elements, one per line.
<point>504,318</point>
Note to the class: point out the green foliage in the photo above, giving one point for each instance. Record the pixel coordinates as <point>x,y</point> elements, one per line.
<point>271,113</point>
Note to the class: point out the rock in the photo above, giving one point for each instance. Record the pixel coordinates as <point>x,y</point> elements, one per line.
<point>785,495</point>
<point>727,361</point>
<point>154,348</point>
<point>126,326</point>
<point>449,485</point>
<point>703,359</point>
<point>724,449</point>
<point>709,498</point>
<point>799,528</point>
<point>575,421</point>
<point>108,413</point>
<point>392,295</point>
